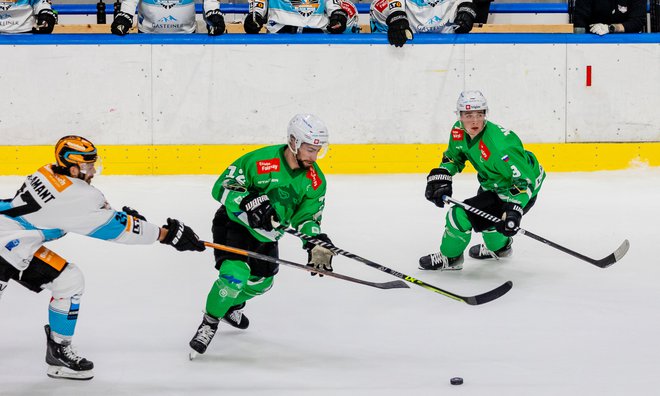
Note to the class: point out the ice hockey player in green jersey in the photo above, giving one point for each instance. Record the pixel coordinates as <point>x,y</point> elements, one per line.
<point>259,194</point>
<point>509,180</point>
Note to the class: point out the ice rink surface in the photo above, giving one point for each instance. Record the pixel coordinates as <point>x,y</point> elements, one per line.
<point>566,327</point>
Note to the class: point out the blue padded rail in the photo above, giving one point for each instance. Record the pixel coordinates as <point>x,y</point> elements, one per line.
<point>363,8</point>
<point>339,39</point>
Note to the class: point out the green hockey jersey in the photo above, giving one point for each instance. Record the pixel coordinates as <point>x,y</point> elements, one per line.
<point>502,164</point>
<point>297,195</point>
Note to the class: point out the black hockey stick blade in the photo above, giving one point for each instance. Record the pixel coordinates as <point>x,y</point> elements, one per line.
<point>259,256</point>
<point>490,295</point>
<point>614,257</point>
<point>472,300</point>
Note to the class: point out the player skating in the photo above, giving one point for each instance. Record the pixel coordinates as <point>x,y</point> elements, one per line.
<point>53,201</point>
<point>509,180</point>
<point>272,186</point>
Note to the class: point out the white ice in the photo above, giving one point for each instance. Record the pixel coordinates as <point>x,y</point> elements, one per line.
<point>566,327</point>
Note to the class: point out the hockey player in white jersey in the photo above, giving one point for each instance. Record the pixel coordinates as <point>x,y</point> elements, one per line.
<point>401,18</point>
<point>167,16</point>
<point>26,16</point>
<point>302,16</point>
<point>53,201</point>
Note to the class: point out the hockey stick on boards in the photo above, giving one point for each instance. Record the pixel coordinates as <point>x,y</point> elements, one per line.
<point>259,256</point>
<point>471,300</point>
<point>602,263</point>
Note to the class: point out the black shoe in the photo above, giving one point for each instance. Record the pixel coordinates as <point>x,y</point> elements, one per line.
<point>435,261</point>
<point>236,318</point>
<point>63,361</point>
<point>205,333</point>
<point>481,252</point>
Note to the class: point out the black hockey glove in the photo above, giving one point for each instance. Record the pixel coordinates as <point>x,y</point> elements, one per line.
<point>438,183</point>
<point>122,23</point>
<point>46,20</point>
<point>465,16</point>
<point>130,211</point>
<point>510,219</point>
<point>253,23</point>
<point>338,21</point>
<point>398,29</point>
<point>318,256</point>
<point>182,237</point>
<point>215,23</point>
<point>260,212</point>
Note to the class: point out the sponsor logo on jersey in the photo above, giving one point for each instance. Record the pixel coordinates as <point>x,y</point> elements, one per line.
<point>394,4</point>
<point>381,5</point>
<point>485,153</point>
<point>505,158</point>
<point>457,134</point>
<point>349,8</point>
<point>12,244</point>
<point>58,181</point>
<point>314,177</point>
<point>259,5</point>
<point>166,19</point>
<point>267,166</point>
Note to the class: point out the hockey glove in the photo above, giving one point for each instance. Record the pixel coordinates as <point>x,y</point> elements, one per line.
<point>122,23</point>
<point>46,20</point>
<point>318,256</point>
<point>465,16</point>
<point>182,237</point>
<point>133,212</point>
<point>337,23</point>
<point>438,183</point>
<point>253,23</point>
<point>398,29</point>
<point>510,219</point>
<point>259,211</point>
<point>215,23</point>
<point>600,29</point>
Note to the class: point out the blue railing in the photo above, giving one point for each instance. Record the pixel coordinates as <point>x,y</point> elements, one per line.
<point>363,8</point>
<point>340,39</point>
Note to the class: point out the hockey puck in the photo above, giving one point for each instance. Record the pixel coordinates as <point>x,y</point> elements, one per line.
<point>456,381</point>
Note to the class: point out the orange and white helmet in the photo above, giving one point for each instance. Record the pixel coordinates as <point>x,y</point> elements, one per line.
<point>307,128</point>
<point>74,150</point>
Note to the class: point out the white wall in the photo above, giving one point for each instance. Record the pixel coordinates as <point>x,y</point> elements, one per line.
<point>226,94</point>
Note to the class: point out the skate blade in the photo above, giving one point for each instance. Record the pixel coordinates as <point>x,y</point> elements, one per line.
<point>192,355</point>
<point>67,373</point>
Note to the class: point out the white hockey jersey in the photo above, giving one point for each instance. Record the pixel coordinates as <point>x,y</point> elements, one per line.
<point>166,16</point>
<point>49,205</point>
<point>18,16</point>
<point>424,16</point>
<point>303,13</point>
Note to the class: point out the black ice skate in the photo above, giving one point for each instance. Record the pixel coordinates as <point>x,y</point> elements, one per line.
<point>204,335</point>
<point>236,318</point>
<point>481,252</point>
<point>64,362</point>
<point>436,261</point>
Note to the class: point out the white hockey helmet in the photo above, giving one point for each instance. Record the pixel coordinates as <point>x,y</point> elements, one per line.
<point>307,128</point>
<point>471,101</point>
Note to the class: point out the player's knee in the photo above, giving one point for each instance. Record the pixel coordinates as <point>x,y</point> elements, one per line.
<point>458,219</point>
<point>234,274</point>
<point>70,282</point>
<point>258,286</point>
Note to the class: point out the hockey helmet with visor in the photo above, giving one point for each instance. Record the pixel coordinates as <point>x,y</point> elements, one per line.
<point>307,128</point>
